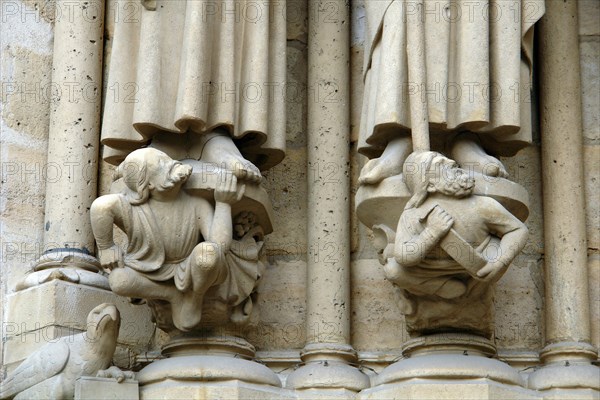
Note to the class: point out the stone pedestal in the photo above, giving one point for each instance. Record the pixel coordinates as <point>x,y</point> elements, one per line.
<point>567,372</point>
<point>448,366</point>
<point>93,388</point>
<point>327,367</point>
<point>208,367</point>
<point>46,312</point>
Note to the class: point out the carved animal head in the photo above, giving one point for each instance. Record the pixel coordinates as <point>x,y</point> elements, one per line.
<point>147,170</point>
<point>430,172</point>
<point>103,323</point>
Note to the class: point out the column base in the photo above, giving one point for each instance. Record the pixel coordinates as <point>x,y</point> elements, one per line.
<point>449,366</point>
<point>69,265</point>
<point>208,367</point>
<point>448,389</point>
<point>568,365</point>
<point>327,367</point>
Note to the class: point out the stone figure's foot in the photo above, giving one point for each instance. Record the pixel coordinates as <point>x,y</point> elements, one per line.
<point>219,149</point>
<point>186,310</point>
<point>451,289</point>
<point>204,272</point>
<point>467,151</point>
<point>389,164</point>
<point>378,169</point>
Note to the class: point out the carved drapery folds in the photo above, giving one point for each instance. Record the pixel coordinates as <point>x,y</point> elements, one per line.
<point>194,67</point>
<point>190,67</point>
<point>452,225</point>
<point>451,73</point>
<point>207,118</point>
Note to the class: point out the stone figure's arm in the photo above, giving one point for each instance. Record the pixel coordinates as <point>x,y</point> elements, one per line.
<point>410,249</point>
<point>104,213</point>
<point>510,229</point>
<point>227,193</point>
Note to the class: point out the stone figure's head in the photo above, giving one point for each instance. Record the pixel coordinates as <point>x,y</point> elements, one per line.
<point>428,172</point>
<point>147,171</point>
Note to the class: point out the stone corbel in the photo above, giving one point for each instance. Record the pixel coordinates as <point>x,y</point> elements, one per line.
<point>194,255</point>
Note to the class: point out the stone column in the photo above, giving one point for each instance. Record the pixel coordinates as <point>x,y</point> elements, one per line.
<point>567,300</point>
<point>73,143</point>
<point>65,285</point>
<point>327,354</point>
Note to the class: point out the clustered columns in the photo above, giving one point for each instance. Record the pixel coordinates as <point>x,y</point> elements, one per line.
<point>327,353</point>
<point>73,141</point>
<point>567,292</point>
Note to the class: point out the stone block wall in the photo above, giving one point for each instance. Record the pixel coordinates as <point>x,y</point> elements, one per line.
<point>26,41</point>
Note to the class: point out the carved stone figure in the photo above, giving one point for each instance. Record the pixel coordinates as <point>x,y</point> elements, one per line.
<point>179,246</point>
<point>200,80</point>
<point>463,68</point>
<point>450,247</point>
<point>51,371</point>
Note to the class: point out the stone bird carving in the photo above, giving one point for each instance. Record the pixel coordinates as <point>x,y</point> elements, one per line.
<point>51,372</point>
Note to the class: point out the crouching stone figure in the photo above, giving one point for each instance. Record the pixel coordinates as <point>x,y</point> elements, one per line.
<point>179,245</point>
<point>450,247</point>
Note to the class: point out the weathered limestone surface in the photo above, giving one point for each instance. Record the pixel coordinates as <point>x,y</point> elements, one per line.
<point>51,371</point>
<point>41,314</point>
<point>26,54</point>
<point>378,329</point>
<point>92,388</point>
<point>589,47</point>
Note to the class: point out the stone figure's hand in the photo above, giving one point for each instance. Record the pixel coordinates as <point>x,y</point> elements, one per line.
<point>111,258</point>
<point>491,271</point>
<point>227,190</point>
<point>439,222</point>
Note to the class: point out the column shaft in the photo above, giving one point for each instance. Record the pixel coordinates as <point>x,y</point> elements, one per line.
<point>74,125</point>
<point>567,301</point>
<point>328,292</point>
<point>328,352</point>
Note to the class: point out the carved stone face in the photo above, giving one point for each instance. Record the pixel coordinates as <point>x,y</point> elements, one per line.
<point>166,174</point>
<point>149,172</point>
<point>447,178</point>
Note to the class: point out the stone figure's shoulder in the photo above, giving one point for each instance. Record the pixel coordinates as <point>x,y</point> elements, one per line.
<point>109,201</point>
<point>487,204</point>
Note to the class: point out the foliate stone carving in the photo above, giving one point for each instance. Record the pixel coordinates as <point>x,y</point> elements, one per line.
<point>192,256</point>
<point>449,248</point>
<point>51,371</point>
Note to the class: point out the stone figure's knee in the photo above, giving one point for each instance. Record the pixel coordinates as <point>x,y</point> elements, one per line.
<point>207,255</point>
<point>400,275</point>
<point>120,280</point>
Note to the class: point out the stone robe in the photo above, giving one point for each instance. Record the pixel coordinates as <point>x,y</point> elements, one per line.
<point>478,71</point>
<point>189,67</point>
<point>162,253</point>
